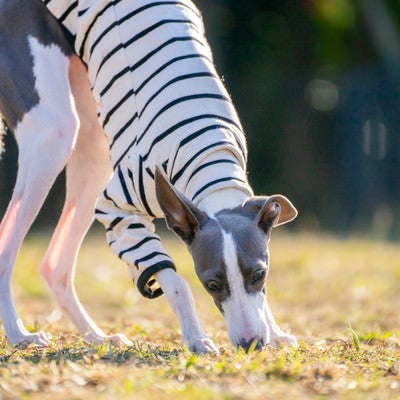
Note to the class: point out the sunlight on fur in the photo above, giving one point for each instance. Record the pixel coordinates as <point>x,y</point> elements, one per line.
<point>2,134</point>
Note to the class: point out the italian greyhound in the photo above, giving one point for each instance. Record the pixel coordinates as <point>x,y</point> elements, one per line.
<point>49,99</point>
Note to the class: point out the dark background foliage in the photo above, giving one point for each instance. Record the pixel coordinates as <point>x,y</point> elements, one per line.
<point>317,86</point>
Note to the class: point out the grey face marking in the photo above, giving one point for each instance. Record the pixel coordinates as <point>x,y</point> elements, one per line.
<point>231,259</point>
<point>20,19</point>
<point>251,254</point>
<point>207,253</point>
<point>251,248</point>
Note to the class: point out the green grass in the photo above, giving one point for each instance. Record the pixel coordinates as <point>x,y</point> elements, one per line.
<point>340,298</point>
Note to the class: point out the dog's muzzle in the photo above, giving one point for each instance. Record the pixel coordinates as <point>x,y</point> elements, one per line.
<point>252,344</point>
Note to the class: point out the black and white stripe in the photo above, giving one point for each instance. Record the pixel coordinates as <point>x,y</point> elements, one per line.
<point>160,102</point>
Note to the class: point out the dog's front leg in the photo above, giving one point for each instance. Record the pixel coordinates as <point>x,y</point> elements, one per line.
<point>181,300</point>
<point>276,336</point>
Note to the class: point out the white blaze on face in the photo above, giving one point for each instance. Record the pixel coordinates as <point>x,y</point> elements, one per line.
<point>244,313</point>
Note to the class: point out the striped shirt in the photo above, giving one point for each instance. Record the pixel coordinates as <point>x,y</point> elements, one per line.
<point>160,102</point>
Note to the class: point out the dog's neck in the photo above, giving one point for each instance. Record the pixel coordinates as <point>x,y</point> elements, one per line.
<point>222,199</point>
<point>234,193</point>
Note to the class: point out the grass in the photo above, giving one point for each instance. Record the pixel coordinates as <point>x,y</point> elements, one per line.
<point>339,297</point>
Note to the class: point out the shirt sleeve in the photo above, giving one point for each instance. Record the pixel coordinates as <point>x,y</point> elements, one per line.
<point>131,235</point>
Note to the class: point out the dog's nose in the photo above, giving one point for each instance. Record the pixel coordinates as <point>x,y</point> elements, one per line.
<point>252,344</point>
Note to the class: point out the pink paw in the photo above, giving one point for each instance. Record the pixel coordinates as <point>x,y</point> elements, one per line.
<point>118,339</point>
<point>284,339</point>
<point>115,339</point>
<point>40,338</point>
<point>203,346</point>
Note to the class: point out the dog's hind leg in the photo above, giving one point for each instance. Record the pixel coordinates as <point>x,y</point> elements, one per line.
<point>45,135</point>
<point>87,173</point>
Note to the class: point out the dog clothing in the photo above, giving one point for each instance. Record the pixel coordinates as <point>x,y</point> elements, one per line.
<point>160,103</point>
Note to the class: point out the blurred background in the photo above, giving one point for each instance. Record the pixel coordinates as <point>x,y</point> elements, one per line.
<point>317,86</point>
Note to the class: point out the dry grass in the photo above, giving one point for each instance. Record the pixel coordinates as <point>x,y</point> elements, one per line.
<point>340,297</point>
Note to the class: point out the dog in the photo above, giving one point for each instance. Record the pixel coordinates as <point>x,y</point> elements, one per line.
<point>124,94</point>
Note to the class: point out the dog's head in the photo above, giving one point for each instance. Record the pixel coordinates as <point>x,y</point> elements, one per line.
<point>230,253</point>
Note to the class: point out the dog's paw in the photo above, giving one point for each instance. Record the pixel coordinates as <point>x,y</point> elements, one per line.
<point>39,338</point>
<point>116,339</point>
<point>283,339</point>
<point>203,346</point>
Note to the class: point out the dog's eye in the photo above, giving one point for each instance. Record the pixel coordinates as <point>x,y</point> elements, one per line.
<point>213,285</point>
<point>258,276</point>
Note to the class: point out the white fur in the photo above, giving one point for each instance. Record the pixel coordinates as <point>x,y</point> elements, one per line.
<point>244,312</point>
<point>220,199</point>
<point>48,60</point>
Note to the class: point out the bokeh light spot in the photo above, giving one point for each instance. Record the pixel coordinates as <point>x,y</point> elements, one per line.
<point>374,139</point>
<point>322,95</point>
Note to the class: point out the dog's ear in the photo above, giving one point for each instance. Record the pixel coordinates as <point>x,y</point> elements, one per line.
<point>277,210</point>
<point>182,216</point>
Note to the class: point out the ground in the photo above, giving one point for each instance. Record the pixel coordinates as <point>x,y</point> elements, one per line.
<point>339,296</point>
